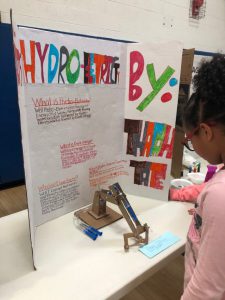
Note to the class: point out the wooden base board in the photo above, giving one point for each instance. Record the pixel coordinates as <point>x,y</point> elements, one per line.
<point>111,217</point>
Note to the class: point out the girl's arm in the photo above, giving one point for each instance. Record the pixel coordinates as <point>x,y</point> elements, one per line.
<point>188,193</point>
<point>208,279</point>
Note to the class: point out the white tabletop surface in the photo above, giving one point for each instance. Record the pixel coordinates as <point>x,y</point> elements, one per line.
<point>73,267</point>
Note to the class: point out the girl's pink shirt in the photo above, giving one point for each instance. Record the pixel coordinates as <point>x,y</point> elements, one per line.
<point>205,248</point>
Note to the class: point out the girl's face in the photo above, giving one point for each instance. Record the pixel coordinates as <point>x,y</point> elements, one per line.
<point>206,141</point>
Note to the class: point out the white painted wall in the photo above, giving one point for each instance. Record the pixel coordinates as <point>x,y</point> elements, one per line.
<point>136,20</point>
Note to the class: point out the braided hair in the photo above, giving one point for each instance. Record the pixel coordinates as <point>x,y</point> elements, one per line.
<point>207,103</point>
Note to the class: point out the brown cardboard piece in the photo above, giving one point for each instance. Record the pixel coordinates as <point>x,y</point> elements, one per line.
<point>178,148</point>
<point>111,217</point>
<point>185,81</point>
<point>186,66</point>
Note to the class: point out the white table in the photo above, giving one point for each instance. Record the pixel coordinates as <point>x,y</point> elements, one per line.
<point>73,267</point>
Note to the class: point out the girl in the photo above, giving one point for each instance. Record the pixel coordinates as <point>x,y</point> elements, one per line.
<point>204,125</point>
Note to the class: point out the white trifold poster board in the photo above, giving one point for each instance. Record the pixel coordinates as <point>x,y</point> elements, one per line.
<point>93,112</point>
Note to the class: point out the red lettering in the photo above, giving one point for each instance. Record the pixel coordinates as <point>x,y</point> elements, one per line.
<point>135,91</point>
<point>158,173</point>
<point>28,67</point>
<point>98,60</point>
<point>148,140</point>
<point>42,57</point>
<point>167,146</point>
<point>105,69</point>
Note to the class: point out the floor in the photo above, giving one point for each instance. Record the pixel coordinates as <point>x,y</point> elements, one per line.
<point>12,200</point>
<point>166,284</point>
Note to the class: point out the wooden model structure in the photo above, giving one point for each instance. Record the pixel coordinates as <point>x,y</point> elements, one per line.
<point>116,196</point>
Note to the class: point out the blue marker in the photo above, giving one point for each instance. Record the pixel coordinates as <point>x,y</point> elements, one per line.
<point>89,233</point>
<point>91,229</point>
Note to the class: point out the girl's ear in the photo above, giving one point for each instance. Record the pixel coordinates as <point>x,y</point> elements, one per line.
<point>206,131</point>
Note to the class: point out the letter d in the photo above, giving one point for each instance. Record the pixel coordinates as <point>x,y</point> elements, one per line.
<point>52,71</point>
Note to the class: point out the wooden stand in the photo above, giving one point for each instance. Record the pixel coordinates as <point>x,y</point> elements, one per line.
<point>110,217</point>
<point>99,215</point>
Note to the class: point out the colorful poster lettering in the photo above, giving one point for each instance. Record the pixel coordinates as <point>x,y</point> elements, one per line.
<point>157,138</point>
<point>47,58</point>
<point>150,112</point>
<point>72,115</point>
<point>149,174</point>
<point>94,111</point>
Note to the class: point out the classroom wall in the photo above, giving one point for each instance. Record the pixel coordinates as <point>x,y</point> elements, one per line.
<point>134,20</point>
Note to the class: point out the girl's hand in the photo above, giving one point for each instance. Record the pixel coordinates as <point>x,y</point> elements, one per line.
<point>191,211</point>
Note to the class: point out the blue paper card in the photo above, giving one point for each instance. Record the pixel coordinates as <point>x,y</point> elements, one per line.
<point>158,245</point>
